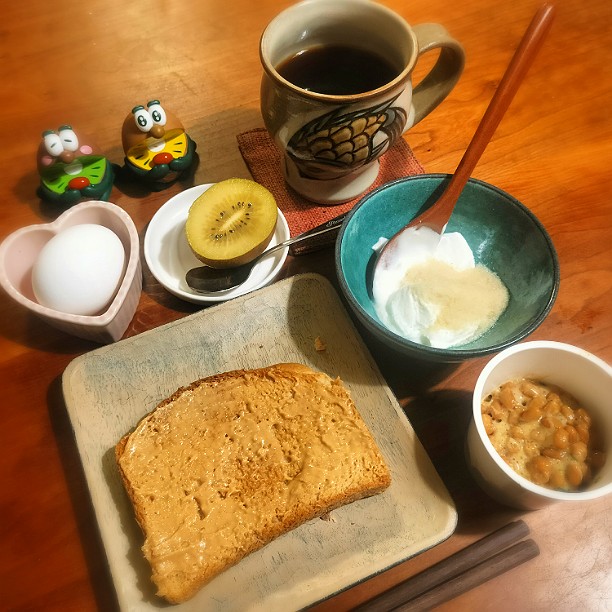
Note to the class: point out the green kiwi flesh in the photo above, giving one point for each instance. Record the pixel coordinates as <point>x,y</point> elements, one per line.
<point>231,223</point>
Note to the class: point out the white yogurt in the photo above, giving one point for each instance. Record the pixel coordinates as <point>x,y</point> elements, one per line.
<point>430,290</point>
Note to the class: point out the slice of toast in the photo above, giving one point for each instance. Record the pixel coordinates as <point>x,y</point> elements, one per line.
<point>227,464</point>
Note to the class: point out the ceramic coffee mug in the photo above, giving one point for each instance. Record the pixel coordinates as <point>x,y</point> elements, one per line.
<point>331,128</point>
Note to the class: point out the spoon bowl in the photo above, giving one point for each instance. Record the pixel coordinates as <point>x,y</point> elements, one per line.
<point>205,279</point>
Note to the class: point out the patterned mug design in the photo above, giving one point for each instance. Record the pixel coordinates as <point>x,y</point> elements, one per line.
<point>342,141</point>
<point>330,143</point>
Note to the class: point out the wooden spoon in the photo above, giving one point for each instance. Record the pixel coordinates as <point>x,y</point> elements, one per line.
<point>436,217</point>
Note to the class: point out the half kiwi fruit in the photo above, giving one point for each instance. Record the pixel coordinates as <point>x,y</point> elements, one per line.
<point>231,223</point>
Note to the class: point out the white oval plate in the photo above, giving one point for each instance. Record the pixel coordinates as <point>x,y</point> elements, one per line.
<point>169,256</point>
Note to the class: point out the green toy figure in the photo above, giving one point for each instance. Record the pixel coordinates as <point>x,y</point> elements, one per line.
<point>70,171</point>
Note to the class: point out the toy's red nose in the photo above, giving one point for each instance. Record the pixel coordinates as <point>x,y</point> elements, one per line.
<point>162,158</point>
<point>79,182</point>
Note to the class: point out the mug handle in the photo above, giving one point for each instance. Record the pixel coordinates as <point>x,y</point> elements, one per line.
<point>441,79</point>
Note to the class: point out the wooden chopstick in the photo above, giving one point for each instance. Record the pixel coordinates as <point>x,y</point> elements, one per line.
<point>479,574</point>
<point>490,556</point>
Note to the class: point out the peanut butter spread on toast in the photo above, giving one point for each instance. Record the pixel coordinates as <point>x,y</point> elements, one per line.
<point>227,464</point>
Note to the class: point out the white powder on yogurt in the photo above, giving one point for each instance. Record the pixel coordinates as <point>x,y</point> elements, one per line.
<point>432,292</point>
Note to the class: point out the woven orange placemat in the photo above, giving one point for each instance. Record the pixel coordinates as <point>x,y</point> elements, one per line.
<point>264,162</point>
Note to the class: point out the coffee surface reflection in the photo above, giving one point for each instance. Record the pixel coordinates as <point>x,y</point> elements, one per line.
<point>339,70</point>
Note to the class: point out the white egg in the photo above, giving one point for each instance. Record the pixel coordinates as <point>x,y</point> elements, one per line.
<point>79,270</point>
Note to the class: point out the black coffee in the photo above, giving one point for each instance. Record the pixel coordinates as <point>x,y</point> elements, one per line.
<point>337,70</point>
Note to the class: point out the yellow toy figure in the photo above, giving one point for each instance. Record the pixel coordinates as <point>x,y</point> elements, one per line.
<point>157,148</point>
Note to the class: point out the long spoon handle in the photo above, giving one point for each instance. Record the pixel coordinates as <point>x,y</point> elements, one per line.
<point>331,227</point>
<point>508,86</point>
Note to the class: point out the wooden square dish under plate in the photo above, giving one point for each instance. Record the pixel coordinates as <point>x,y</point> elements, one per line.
<point>109,389</point>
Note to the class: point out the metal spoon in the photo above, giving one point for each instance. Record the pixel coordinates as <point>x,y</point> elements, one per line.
<point>205,279</point>
<point>436,217</point>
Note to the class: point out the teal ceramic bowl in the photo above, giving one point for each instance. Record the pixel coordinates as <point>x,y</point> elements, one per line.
<point>502,233</point>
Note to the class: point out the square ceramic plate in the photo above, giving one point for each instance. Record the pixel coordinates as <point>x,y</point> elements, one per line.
<point>109,389</point>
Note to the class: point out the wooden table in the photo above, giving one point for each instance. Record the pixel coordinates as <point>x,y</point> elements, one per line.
<point>88,63</point>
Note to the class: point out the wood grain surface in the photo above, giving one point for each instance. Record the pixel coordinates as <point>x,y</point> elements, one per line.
<point>89,63</point>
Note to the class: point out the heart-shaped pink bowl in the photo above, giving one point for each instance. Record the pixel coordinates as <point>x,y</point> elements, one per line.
<point>19,251</point>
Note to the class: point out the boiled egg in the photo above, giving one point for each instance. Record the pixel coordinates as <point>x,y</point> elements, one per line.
<point>79,270</point>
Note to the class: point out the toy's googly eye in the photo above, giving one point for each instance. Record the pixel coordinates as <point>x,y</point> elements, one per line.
<point>157,112</point>
<point>142,118</point>
<point>69,139</point>
<point>53,144</point>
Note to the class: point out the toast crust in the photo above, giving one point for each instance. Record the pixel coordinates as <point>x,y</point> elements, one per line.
<point>230,462</point>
